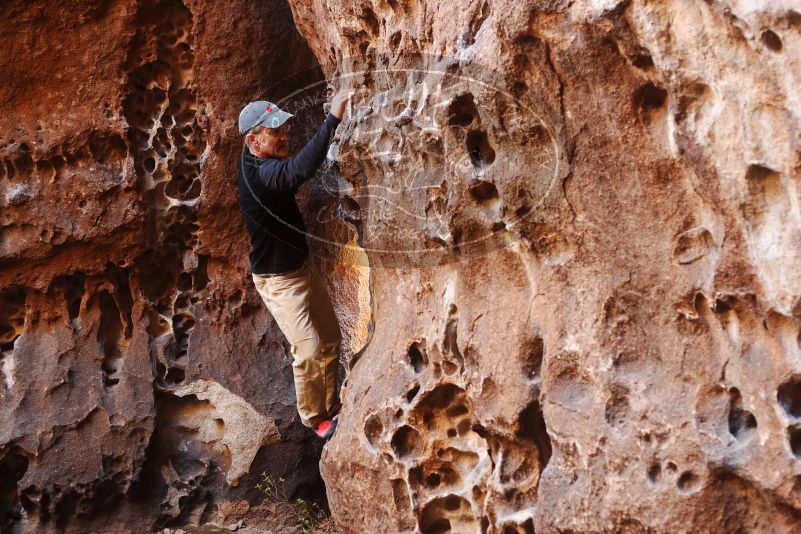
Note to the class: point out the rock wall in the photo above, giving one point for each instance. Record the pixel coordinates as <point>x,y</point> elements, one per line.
<point>142,382</point>
<point>582,222</point>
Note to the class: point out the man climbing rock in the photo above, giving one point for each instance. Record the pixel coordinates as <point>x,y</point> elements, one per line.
<point>281,268</point>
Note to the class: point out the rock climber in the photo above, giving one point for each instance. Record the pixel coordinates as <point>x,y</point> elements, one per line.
<point>285,277</point>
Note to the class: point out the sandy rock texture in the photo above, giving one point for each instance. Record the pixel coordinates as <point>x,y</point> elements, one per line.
<point>142,382</point>
<point>583,228</point>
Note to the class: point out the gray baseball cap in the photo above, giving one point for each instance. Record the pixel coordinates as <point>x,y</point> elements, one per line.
<point>261,113</point>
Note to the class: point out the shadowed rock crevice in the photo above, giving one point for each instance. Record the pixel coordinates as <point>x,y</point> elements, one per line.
<point>13,464</point>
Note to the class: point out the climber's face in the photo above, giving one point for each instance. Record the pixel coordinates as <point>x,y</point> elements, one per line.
<point>270,142</point>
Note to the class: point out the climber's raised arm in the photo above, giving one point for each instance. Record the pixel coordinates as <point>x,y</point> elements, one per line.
<point>268,141</point>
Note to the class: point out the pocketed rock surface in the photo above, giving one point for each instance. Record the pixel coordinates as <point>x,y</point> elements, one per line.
<point>599,328</point>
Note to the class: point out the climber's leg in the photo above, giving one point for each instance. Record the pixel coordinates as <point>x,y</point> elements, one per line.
<point>325,319</point>
<point>288,297</point>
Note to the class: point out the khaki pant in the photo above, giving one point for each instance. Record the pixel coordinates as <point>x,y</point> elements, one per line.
<point>300,304</point>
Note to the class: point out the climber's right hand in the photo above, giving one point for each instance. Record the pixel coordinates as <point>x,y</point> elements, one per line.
<point>340,102</point>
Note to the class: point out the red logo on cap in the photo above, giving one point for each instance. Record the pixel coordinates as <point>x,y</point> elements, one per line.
<point>269,108</point>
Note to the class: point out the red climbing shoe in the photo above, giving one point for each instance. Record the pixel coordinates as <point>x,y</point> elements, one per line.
<point>325,429</point>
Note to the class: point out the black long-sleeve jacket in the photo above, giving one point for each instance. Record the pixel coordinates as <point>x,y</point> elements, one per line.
<point>267,190</point>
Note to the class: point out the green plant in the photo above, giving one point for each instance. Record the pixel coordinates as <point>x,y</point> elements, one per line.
<point>273,489</point>
<point>309,515</point>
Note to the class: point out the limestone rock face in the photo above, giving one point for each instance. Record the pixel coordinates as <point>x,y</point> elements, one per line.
<point>142,381</point>
<point>583,229</point>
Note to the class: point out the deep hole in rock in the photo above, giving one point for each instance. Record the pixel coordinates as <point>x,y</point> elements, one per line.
<point>182,322</point>
<point>370,21</point>
<point>654,472</point>
<point>517,464</point>
<point>109,335</point>
<point>403,504</point>
<point>643,61</point>
<point>759,174</point>
<point>156,280</point>
<point>452,502</point>
<point>184,282</point>
<point>483,192</point>
<point>442,396</point>
<point>532,354</point>
<point>463,427</point>
<point>789,396</point>
<point>771,40</point>
<point>741,422</point>
<point>794,435</point>
<point>200,277</point>
<point>479,149</point>
<point>439,526</point>
<point>28,498</point>
<point>531,427</point>
<point>394,40</point>
<point>182,301</point>
<point>45,169</point>
<point>412,393</point>
<point>650,98</point>
<point>417,358</point>
<point>373,428</point>
<point>450,344</point>
<point>450,513</point>
<point>416,476</point>
<point>407,442</point>
<point>12,313</point>
<point>687,481</point>
<point>161,370</point>
<point>462,111</point>
<point>122,294</point>
<point>528,526</point>
<point>13,465</point>
<point>24,165</point>
<point>65,507</point>
<point>456,410</point>
<point>175,375</point>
